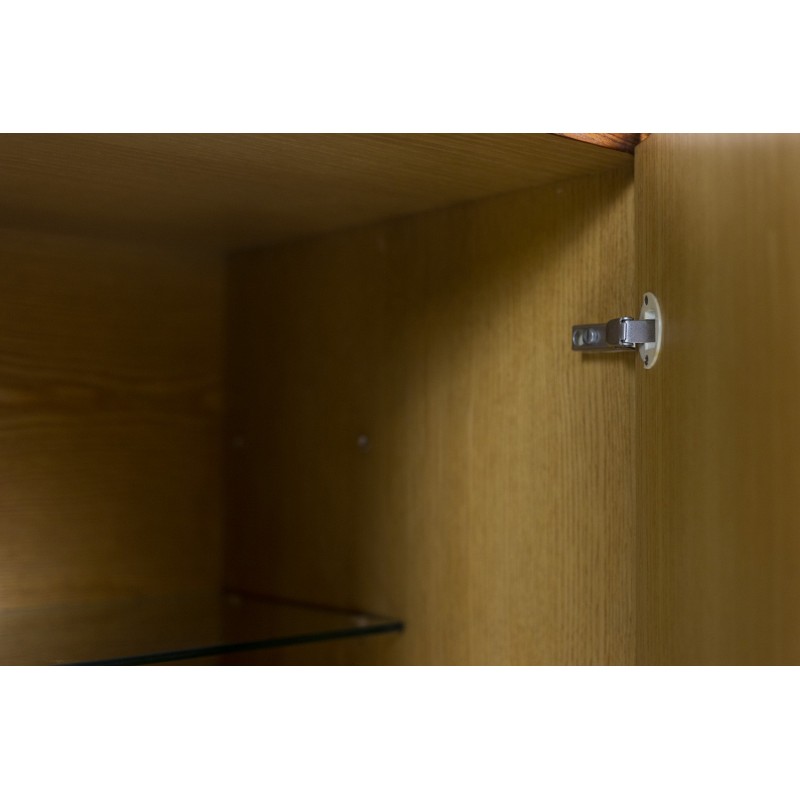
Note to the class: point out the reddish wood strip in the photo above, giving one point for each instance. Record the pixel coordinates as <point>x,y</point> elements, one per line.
<point>626,142</point>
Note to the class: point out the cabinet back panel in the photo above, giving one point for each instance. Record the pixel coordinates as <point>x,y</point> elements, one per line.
<point>487,505</point>
<point>110,397</point>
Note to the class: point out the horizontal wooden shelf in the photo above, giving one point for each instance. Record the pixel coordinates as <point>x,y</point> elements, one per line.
<point>237,191</point>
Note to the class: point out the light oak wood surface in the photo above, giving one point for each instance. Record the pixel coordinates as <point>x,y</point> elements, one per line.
<point>490,510</point>
<point>110,408</point>
<point>718,241</point>
<point>239,190</point>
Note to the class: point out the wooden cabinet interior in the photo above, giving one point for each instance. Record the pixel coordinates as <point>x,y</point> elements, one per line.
<point>335,370</point>
<point>182,393</point>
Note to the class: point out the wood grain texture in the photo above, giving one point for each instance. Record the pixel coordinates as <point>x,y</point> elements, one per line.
<point>242,190</point>
<point>488,511</point>
<point>69,634</point>
<point>625,142</point>
<point>110,407</point>
<point>719,555</point>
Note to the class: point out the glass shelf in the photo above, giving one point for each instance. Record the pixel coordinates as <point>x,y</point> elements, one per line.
<point>163,630</point>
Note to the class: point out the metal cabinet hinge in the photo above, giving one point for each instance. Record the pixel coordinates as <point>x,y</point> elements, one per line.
<point>624,334</point>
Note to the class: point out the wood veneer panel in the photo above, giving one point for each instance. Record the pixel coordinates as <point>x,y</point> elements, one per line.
<point>110,389</point>
<point>488,512</point>
<point>718,242</point>
<point>237,190</point>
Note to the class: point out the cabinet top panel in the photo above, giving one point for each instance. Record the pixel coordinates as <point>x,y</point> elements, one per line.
<point>244,190</point>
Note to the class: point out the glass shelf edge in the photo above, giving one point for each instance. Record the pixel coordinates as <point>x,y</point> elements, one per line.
<point>389,626</point>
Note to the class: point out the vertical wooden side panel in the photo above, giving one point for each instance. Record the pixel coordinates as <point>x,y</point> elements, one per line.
<point>492,508</point>
<point>110,388</point>
<point>718,241</point>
